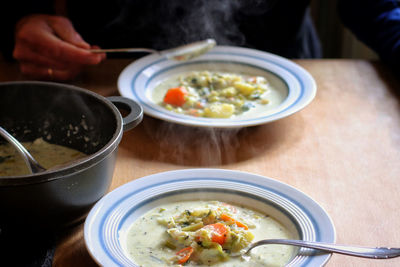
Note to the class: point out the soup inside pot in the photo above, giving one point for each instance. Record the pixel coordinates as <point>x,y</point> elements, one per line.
<point>47,154</point>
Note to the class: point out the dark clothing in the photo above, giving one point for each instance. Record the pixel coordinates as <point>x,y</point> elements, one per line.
<point>160,24</point>
<point>377,24</point>
<point>276,26</point>
<point>264,25</point>
<point>12,12</point>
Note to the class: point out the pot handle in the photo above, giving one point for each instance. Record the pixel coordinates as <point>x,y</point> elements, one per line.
<point>135,111</point>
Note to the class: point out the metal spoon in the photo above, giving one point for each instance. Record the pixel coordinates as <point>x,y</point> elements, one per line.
<point>180,53</point>
<point>363,252</point>
<point>33,165</point>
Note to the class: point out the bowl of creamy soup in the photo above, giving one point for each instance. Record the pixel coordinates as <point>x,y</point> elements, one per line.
<point>218,94</point>
<point>74,134</point>
<point>207,232</point>
<point>205,217</point>
<point>227,87</point>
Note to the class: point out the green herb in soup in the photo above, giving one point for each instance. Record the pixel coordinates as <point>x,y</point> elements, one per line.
<point>216,94</point>
<point>48,155</point>
<point>204,233</point>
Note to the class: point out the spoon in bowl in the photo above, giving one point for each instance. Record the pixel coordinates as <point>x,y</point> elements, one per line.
<point>180,53</point>
<point>363,252</point>
<point>33,165</point>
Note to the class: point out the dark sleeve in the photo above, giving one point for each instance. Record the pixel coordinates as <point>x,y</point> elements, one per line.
<point>377,24</point>
<point>11,13</point>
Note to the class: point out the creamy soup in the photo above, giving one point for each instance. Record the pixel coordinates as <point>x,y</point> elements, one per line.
<point>48,155</point>
<point>216,94</point>
<point>204,233</point>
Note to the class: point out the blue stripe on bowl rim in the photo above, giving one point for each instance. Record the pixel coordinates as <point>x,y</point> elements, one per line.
<point>106,214</point>
<point>295,74</point>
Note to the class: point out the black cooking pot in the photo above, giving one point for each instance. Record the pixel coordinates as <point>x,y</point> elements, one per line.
<point>69,116</point>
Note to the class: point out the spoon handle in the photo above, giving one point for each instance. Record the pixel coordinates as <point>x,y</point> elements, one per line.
<point>119,50</point>
<point>364,252</point>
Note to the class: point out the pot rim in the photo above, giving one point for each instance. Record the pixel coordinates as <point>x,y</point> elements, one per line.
<point>80,165</point>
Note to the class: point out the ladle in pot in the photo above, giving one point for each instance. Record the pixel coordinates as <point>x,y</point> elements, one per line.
<point>180,53</point>
<point>33,165</point>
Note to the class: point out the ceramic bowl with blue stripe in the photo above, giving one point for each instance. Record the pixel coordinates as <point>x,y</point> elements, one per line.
<point>138,80</point>
<point>108,221</point>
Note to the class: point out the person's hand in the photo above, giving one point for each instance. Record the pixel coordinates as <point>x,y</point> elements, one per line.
<point>48,47</point>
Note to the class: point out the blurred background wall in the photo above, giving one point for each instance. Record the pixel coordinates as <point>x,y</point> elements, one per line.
<point>337,41</point>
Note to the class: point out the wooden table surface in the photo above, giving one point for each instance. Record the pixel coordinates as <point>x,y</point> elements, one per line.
<point>343,150</point>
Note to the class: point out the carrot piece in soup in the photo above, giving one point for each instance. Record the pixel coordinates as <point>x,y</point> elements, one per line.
<point>176,96</point>
<point>193,112</point>
<point>227,218</point>
<point>253,79</point>
<point>184,254</point>
<point>219,232</point>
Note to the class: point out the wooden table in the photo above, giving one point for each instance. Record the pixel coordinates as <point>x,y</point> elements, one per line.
<point>343,150</point>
